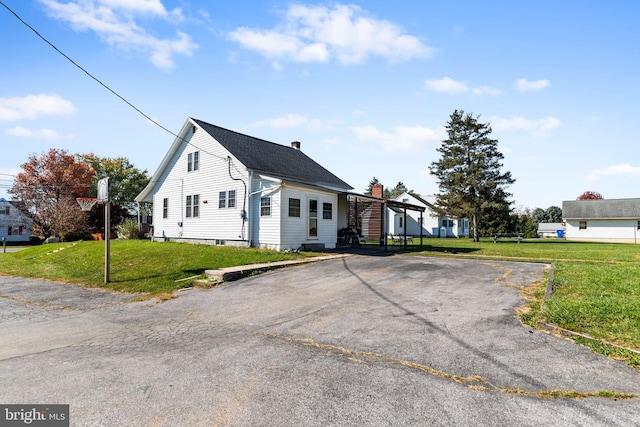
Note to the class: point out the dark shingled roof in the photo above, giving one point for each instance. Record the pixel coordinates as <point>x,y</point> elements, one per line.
<point>601,209</point>
<point>273,159</point>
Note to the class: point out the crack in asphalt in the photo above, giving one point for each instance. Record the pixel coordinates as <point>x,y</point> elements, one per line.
<point>473,382</point>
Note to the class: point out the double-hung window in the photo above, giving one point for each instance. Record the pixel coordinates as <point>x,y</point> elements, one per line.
<point>193,161</point>
<point>165,208</point>
<point>294,207</point>
<point>327,210</point>
<point>265,206</point>
<point>227,199</point>
<point>193,206</point>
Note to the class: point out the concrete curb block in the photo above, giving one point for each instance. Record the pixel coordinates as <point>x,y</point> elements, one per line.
<point>228,274</point>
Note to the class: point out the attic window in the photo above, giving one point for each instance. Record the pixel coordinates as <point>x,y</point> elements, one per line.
<point>193,161</point>
<point>193,129</point>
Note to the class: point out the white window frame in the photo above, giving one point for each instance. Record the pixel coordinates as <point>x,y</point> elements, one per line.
<point>265,206</point>
<point>231,201</point>
<point>296,208</point>
<point>312,229</point>
<point>325,211</point>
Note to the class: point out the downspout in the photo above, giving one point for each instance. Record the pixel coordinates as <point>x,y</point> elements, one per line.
<point>250,226</point>
<point>243,214</point>
<point>181,206</point>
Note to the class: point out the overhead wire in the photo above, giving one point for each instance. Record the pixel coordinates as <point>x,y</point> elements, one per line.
<point>105,86</point>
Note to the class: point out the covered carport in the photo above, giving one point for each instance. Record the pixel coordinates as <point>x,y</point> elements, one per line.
<point>366,218</point>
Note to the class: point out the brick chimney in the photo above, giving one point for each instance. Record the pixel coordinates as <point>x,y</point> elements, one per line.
<point>295,145</point>
<point>377,191</point>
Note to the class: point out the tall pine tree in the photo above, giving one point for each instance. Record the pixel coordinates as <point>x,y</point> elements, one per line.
<point>469,171</point>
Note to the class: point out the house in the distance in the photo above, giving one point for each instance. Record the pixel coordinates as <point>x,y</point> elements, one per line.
<point>432,225</point>
<point>222,187</point>
<point>550,229</point>
<point>15,226</point>
<point>608,220</point>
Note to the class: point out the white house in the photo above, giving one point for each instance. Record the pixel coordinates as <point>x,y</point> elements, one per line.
<point>222,187</point>
<point>608,220</point>
<point>432,225</point>
<point>15,226</point>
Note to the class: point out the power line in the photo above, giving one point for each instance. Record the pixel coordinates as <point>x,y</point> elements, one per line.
<point>103,84</point>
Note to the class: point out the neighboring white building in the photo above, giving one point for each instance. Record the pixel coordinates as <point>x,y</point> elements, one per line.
<point>550,229</point>
<point>432,225</point>
<point>607,220</point>
<point>222,187</point>
<point>14,225</point>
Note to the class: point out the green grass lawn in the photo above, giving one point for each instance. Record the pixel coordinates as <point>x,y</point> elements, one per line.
<point>136,265</point>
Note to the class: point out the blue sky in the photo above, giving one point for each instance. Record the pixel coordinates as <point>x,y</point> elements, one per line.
<point>365,86</point>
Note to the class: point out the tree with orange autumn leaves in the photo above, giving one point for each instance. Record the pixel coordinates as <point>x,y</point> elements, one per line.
<point>47,189</point>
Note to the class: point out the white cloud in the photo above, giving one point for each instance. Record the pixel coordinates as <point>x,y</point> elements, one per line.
<point>616,170</point>
<point>403,138</point>
<point>204,14</point>
<point>446,85</point>
<point>48,134</point>
<point>539,126</point>
<point>454,87</point>
<point>114,21</point>
<point>487,90</point>
<point>34,106</point>
<point>524,85</point>
<point>319,34</point>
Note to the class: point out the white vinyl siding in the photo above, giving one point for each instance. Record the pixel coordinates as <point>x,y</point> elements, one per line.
<point>176,183</point>
<point>295,230</point>
<point>265,231</point>
<point>603,230</point>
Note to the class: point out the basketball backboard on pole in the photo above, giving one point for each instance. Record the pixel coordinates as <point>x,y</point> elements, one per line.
<point>103,190</point>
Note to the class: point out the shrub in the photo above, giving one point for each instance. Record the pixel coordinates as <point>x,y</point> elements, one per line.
<point>128,229</point>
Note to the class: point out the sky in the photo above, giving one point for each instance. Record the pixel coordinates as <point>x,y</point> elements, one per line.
<point>365,86</point>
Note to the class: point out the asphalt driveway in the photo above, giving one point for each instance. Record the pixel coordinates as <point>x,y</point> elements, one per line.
<point>364,340</point>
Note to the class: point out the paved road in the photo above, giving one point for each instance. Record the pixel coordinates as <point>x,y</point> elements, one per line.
<point>378,340</point>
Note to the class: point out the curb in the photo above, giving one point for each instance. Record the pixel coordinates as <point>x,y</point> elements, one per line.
<point>228,274</point>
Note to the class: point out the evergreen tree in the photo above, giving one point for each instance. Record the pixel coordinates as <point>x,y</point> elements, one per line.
<point>369,190</point>
<point>468,172</point>
<point>554,214</point>
<point>397,190</point>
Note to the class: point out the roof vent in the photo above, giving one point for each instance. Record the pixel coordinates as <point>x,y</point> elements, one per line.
<point>295,145</point>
